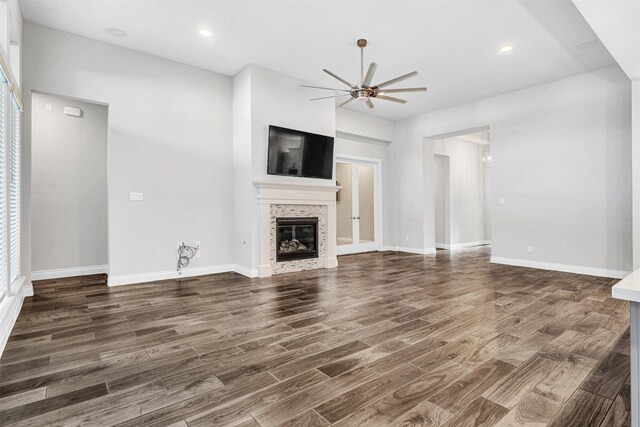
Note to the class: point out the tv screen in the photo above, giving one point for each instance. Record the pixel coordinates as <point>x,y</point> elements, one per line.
<point>297,153</point>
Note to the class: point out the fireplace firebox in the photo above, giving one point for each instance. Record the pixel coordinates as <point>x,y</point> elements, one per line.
<point>296,238</point>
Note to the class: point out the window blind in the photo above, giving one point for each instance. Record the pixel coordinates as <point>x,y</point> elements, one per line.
<point>14,190</point>
<point>4,262</point>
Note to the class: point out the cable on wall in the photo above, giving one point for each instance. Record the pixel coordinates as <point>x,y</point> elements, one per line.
<point>185,253</point>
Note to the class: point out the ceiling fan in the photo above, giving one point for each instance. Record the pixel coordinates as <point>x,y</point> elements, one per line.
<point>365,90</point>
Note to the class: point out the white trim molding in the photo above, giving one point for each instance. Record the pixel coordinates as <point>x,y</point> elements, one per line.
<point>566,268</point>
<point>59,273</point>
<point>456,246</point>
<point>245,271</point>
<point>9,310</point>
<point>418,251</point>
<point>376,164</point>
<point>132,279</point>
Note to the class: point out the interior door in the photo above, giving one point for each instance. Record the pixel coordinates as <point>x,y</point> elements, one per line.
<point>357,206</point>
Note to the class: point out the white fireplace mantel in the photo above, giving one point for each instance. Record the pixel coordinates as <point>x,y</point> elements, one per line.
<point>279,192</point>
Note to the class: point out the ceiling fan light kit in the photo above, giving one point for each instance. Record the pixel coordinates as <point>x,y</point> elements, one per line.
<point>365,90</point>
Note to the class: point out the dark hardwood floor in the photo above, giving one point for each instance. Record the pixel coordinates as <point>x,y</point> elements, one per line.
<point>385,339</point>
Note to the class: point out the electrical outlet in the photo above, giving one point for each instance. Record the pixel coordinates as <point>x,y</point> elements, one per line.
<point>530,249</point>
<point>406,238</point>
<point>48,108</point>
<point>501,201</point>
<point>199,251</point>
<point>136,196</point>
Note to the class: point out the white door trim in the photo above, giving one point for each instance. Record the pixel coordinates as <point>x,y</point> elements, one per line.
<point>377,202</point>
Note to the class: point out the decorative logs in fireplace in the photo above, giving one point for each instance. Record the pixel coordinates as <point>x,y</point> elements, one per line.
<point>296,238</point>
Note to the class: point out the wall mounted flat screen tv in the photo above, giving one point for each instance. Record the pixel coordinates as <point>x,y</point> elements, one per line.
<point>297,153</point>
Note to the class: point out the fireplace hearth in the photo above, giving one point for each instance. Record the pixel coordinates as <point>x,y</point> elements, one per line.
<point>296,238</point>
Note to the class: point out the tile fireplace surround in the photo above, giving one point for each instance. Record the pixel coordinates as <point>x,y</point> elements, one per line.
<point>285,199</point>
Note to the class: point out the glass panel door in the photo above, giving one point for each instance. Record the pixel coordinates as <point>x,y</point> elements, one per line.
<point>356,207</point>
<point>344,204</point>
<point>366,208</point>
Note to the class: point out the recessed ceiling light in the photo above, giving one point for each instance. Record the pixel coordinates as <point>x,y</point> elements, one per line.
<point>506,48</point>
<point>205,32</point>
<point>588,44</point>
<point>116,32</point>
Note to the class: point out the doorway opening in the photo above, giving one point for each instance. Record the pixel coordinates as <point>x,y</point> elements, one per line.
<point>69,218</point>
<point>358,205</point>
<point>462,187</point>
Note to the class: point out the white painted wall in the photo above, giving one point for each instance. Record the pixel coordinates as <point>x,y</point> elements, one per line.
<point>279,100</point>
<point>170,137</point>
<point>244,206</point>
<point>466,190</point>
<point>441,201</point>
<point>486,153</point>
<point>636,171</point>
<point>68,184</point>
<point>561,159</point>
<point>356,125</point>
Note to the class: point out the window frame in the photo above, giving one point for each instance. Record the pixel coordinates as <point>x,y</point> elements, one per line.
<point>13,108</point>
<point>5,286</point>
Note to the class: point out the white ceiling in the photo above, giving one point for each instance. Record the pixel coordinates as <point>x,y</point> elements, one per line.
<point>617,23</point>
<point>453,44</point>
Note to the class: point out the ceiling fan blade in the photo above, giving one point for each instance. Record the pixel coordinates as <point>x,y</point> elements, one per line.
<point>392,99</point>
<point>408,89</point>
<point>325,88</point>
<point>327,97</point>
<point>397,79</point>
<point>369,103</point>
<point>370,72</point>
<point>337,77</point>
<point>346,102</point>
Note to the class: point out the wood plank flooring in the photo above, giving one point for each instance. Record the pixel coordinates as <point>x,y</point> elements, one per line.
<point>385,339</point>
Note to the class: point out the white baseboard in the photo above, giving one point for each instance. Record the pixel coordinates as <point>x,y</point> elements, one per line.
<point>331,262</point>
<point>27,289</point>
<point>455,246</point>
<point>567,268</point>
<point>69,272</point>
<point>9,310</point>
<point>130,279</point>
<point>427,251</point>
<point>245,271</point>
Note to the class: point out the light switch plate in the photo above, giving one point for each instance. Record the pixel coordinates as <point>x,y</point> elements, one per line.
<point>48,107</point>
<point>501,201</point>
<point>136,196</point>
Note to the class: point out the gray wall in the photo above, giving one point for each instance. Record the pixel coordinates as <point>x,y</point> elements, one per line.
<point>68,184</point>
<point>561,160</point>
<point>441,200</point>
<point>486,152</point>
<point>170,130</point>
